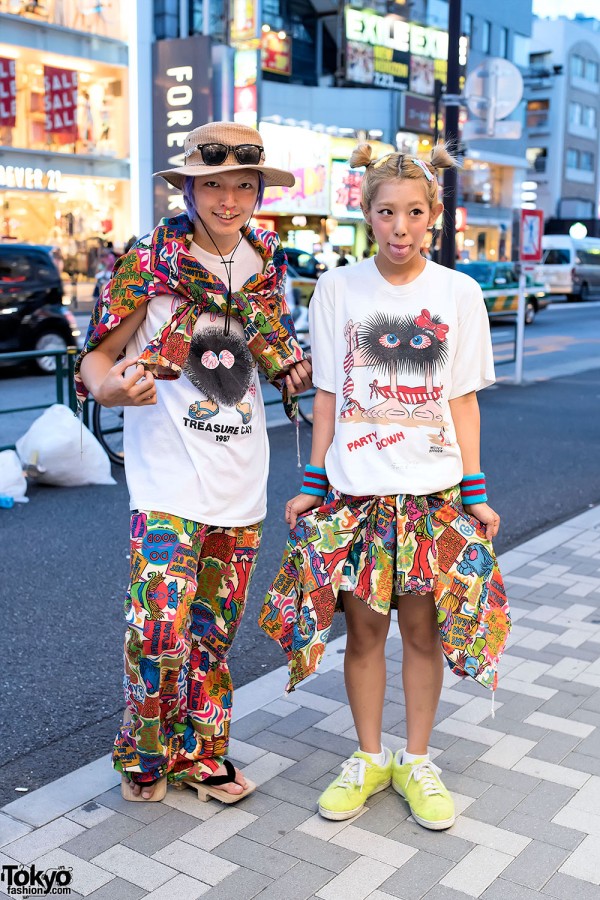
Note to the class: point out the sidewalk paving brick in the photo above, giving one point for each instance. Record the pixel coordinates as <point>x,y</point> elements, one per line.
<point>300,883</point>
<point>182,887</point>
<point>357,881</point>
<point>526,783</point>
<point>477,870</point>
<point>325,854</point>
<point>536,865</point>
<point>98,838</point>
<point>86,876</point>
<point>134,867</point>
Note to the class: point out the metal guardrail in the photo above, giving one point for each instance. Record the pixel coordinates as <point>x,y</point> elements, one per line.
<point>65,368</point>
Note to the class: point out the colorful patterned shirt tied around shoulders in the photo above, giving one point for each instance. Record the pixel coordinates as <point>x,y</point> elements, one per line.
<point>377,548</point>
<point>162,264</point>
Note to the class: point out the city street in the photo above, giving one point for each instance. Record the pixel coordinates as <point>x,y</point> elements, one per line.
<point>68,547</point>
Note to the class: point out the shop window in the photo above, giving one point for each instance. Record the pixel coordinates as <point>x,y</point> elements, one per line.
<point>503,49</point>
<point>98,118</point>
<point>572,159</point>
<point>537,158</point>
<point>480,183</point>
<point>577,66</point>
<point>520,50</point>
<point>486,36</point>
<point>575,112</point>
<point>591,71</point>
<point>537,113</point>
<point>104,18</point>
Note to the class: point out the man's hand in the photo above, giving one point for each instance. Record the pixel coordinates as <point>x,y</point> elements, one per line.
<point>299,377</point>
<point>300,504</point>
<point>486,516</point>
<point>135,389</point>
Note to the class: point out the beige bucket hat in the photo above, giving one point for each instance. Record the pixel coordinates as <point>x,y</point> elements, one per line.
<point>229,135</point>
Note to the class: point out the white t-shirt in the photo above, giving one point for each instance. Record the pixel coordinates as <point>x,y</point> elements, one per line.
<point>202,451</point>
<point>394,356</point>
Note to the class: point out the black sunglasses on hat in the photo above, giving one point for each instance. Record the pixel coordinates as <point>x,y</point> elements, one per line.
<point>216,154</point>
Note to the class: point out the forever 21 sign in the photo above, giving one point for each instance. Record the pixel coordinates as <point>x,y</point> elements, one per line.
<point>182,100</point>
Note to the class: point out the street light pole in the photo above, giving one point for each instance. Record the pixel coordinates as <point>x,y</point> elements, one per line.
<point>452,104</point>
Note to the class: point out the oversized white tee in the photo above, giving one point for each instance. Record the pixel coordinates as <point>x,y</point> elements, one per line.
<point>394,356</point>
<point>202,451</point>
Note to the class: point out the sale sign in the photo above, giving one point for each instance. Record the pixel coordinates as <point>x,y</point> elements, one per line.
<point>8,93</point>
<point>60,101</point>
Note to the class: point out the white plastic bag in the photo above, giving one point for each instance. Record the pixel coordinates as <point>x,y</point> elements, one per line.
<point>67,451</point>
<point>12,480</point>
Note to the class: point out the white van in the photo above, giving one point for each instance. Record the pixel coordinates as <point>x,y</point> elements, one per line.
<point>570,266</point>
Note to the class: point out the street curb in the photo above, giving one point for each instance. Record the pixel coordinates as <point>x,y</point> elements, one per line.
<point>84,784</point>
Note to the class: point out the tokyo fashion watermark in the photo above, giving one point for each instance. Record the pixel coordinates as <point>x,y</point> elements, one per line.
<point>20,880</point>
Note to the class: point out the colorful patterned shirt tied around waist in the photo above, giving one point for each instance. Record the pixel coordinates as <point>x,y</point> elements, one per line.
<point>161,263</point>
<point>377,548</point>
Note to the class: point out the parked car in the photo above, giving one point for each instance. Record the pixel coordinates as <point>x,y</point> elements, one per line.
<point>305,264</point>
<point>32,315</point>
<point>500,286</point>
<point>570,266</point>
<point>303,288</point>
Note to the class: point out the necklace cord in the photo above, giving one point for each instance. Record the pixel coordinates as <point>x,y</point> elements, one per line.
<point>227,263</point>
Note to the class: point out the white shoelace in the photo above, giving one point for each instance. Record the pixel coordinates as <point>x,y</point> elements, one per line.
<point>428,773</point>
<point>353,773</point>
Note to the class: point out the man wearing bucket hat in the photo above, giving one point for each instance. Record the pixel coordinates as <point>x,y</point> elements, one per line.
<point>177,338</point>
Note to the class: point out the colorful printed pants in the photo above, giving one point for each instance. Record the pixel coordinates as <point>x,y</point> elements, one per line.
<point>186,598</point>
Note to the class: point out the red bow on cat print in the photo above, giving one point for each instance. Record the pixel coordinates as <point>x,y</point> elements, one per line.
<point>425,321</point>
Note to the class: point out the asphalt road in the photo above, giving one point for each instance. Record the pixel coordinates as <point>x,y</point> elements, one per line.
<point>64,565</point>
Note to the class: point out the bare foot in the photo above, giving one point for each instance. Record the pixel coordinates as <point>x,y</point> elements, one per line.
<point>234,787</point>
<point>146,790</point>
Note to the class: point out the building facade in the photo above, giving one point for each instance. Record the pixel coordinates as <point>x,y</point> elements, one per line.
<point>563,118</point>
<point>64,127</point>
<point>317,75</point>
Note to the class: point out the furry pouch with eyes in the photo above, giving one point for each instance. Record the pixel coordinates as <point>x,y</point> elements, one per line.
<point>220,365</point>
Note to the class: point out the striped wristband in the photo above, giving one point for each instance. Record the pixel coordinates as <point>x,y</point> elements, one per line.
<point>314,481</point>
<point>472,489</point>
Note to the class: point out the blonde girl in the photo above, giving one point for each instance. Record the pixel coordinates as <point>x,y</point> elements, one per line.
<point>393,510</point>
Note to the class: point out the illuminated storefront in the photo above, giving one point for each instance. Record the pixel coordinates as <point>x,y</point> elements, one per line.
<point>64,148</point>
<point>299,212</point>
<point>105,18</point>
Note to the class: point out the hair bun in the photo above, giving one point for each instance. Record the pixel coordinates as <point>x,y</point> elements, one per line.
<point>441,158</point>
<point>362,155</point>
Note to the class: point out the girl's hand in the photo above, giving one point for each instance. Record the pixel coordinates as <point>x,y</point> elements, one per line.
<point>136,389</point>
<point>300,504</point>
<point>299,377</point>
<point>486,516</point>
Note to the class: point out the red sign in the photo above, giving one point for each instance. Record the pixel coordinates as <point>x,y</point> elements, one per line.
<point>276,53</point>
<point>460,218</point>
<point>60,102</point>
<point>532,229</point>
<point>8,93</point>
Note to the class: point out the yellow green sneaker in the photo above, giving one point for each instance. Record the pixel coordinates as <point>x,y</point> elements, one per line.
<point>359,779</point>
<point>421,786</point>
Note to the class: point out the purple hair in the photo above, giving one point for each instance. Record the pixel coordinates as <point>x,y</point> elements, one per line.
<point>190,203</point>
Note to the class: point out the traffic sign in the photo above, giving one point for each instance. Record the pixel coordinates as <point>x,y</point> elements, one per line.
<point>531,231</point>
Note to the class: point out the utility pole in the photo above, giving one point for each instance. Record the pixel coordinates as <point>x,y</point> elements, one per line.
<point>452,104</point>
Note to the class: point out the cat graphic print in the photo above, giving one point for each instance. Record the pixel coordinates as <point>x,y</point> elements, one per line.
<point>395,346</point>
